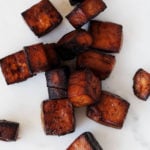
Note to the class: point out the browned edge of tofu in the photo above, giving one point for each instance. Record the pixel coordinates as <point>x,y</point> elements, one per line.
<point>42,17</point>
<point>110,110</point>
<point>86,141</point>
<point>15,67</point>
<point>73,43</point>
<point>85,11</point>
<point>141,84</point>
<point>84,88</point>
<point>101,64</point>
<point>8,130</point>
<point>107,36</point>
<point>58,117</point>
<point>37,58</point>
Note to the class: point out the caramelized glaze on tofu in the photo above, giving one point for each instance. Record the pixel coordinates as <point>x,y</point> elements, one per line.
<point>58,78</point>
<point>110,110</point>
<point>53,59</point>
<point>86,141</point>
<point>42,17</point>
<point>58,117</point>
<point>141,84</point>
<point>85,11</point>
<point>101,64</point>
<point>37,58</point>
<point>8,130</point>
<point>74,2</point>
<point>15,67</point>
<point>84,88</point>
<point>107,36</point>
<point>74,42</point>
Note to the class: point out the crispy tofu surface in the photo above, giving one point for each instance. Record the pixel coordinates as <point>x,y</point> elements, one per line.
<point>110,110</point>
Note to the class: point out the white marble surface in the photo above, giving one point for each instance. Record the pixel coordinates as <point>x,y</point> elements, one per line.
<point>21,102</point>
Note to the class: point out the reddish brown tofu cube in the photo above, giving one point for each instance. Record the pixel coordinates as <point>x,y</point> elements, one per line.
<point>74,2</point>
<point>141,84</point>
<point>57,93</point>
<point>101,64</point>
<point>58,117</point>
<point>37,58</point>
<point>42,17</point>
<point>86,141</point>
<point>53,59</point>
<point>58,78</point>
<point>85,11</point>
<point>107,36</point>
<point>84,88</point>
<point>110,110</point>
<point>15,67</point>
<point>8,130</point>
<point>74,42</point>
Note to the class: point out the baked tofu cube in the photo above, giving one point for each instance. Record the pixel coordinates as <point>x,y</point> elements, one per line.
<point>15,67</point>
<point>8,130</point>
<point>58,117</point>
<point>58,78</point>
<point>74,42</point>
<point>74,2</point>
<point>110,110</point>
<point>86,141</point>
<point>85,11</point>
<point>42,17</point>
<point>107,36</point>
<point>101,64</point>
<point>57,93</point>
<point>141,84</point>
<point>84,88</point>
<point>37,58</point>
<point>53,59</point>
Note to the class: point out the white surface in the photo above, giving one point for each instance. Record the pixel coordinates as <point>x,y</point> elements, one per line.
<point>21,102</point>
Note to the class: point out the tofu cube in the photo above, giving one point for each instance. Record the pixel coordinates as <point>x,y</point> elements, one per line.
<point>110,110</point>
<point>85,11</point>
<point>58,117</point>
<point>107,36</point>
<point>141,84</point>
<point>8,130</point>
<point>42,17</point>
<point>101,64</point>
<point>84,88</point>
<point>86,141</point>
<point>15,67</point>
<point>73,43</point>
<point>37,58</point>
<point>57,93</point>
<point>58,78</point>
<point>52,56</point>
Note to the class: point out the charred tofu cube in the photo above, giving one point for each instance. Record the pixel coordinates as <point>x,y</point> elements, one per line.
<point>58,117</point>
<point>85,141</point>
<point>107,36</point>
<point>73,43</point>
<point>15,67</point>
<point>73,2</point>
<point>84,88</point>
<point>57,93</point>
<point>141,84</point>
<point>85,11</point>
<point>42,17</point>
<point>110,110</point>
<point>8,130</point>
<point>53,59</point>
<point>37,58</point>
<point>58,78</point>
<point>101,64</point>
